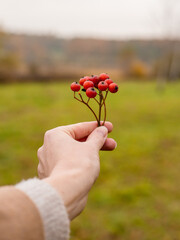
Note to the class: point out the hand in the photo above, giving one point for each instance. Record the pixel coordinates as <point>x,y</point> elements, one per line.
<point>69,161</point>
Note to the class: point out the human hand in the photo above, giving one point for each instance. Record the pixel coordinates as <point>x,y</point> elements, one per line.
<point>69,161</point>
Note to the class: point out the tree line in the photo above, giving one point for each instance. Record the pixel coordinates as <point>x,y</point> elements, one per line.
<point>44,58</point>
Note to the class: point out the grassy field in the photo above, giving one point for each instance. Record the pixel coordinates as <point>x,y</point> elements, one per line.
<point>137,196</point>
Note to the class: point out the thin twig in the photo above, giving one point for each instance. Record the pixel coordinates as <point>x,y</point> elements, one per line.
<point>81,97</point>
<point>106,95</point>
<point>96,100</point>
<point>104,111</point>
<point>100,105</point>
<point>104,99</point>
<point>77,98</point>
<point>89,108</point>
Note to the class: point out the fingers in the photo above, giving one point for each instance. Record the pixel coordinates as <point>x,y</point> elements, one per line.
<point>82,130</point>
<point>109,145</point>
<point>97,138</point>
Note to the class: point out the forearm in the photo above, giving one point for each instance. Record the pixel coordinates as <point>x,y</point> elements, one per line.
<point>19,217</point>
<point>32,210</point>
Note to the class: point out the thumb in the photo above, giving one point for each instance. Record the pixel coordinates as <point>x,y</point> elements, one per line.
<point>98,137</point>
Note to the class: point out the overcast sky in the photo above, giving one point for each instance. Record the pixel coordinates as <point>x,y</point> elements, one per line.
<point>93,18</point>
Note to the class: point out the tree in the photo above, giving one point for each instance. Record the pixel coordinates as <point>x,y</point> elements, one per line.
<point>8,61</point>
<point>169,23</point>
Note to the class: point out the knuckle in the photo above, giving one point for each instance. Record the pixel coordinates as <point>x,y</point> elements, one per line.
<point>39,152</point>
<point>48,135</point>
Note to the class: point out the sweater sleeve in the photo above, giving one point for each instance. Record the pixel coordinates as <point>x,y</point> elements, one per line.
<point>50,206</point>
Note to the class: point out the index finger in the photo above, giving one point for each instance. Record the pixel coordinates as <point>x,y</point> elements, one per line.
<point>83,129</point>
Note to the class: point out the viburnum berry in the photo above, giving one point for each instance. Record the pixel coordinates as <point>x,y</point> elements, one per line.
<point>90,78</point>
<point>82,80</point>
<point>103,76</point>
<point>102,86</point>
<point>75,87</point>
<point>113,87</point>
<point>87,84</point>
<point>91,92</point>
<point>95,80</point>
<point>109,81</point>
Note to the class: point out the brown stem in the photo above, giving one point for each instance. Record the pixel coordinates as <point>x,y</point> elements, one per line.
<point>106,95</point>
<point>77,98</point>
<point>81,97</point>
<point>104,103</point>
<point>96,100</point>
<point>87,106</point>
<point>104,99</point>
<point>100,105</point>
<point>104,111</point>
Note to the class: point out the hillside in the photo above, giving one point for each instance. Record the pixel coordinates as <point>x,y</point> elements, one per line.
<point>49,55</point>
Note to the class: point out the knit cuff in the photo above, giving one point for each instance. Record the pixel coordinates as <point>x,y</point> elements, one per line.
<point>51,208</point>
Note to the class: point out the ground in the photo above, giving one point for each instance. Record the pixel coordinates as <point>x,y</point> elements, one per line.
<point>137,194</point>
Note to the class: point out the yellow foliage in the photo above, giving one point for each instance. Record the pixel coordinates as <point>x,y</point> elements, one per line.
<point>139,69</point>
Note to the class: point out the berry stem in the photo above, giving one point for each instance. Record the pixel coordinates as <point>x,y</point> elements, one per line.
<point>81,97</point>
<point>77,98</point>
<point>104,103</point>
<point>100,105</point>
<point>106,95</point>
<point>96,100</point>
<point>87,106</point>
<point>104,99</point>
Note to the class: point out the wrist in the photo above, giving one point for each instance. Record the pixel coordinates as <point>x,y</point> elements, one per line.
<point>73,187</point>
<point>50,206</point>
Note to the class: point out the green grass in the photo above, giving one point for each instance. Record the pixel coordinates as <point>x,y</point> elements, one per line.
<point>137,195</point>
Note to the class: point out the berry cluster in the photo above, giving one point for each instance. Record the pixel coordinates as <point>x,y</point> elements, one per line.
<point>95,86</point>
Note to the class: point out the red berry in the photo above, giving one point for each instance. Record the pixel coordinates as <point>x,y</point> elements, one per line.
<point>82,80</point>
<point>95,80</point>
<point>109,81</point>
<point>103,76</point>
<point>91,92</point>
<point>113,87</point>
<point>102,86</point>
<point>75,87</point>
<point>87,84</point>
<point>89,78</point>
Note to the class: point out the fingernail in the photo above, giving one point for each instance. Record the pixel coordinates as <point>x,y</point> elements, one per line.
<point>103,130</point>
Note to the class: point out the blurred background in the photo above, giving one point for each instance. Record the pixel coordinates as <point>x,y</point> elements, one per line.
<point>44,46</point>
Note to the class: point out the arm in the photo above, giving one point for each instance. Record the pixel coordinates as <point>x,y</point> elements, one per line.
<point>68,167</point>
<point>19,217</point>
